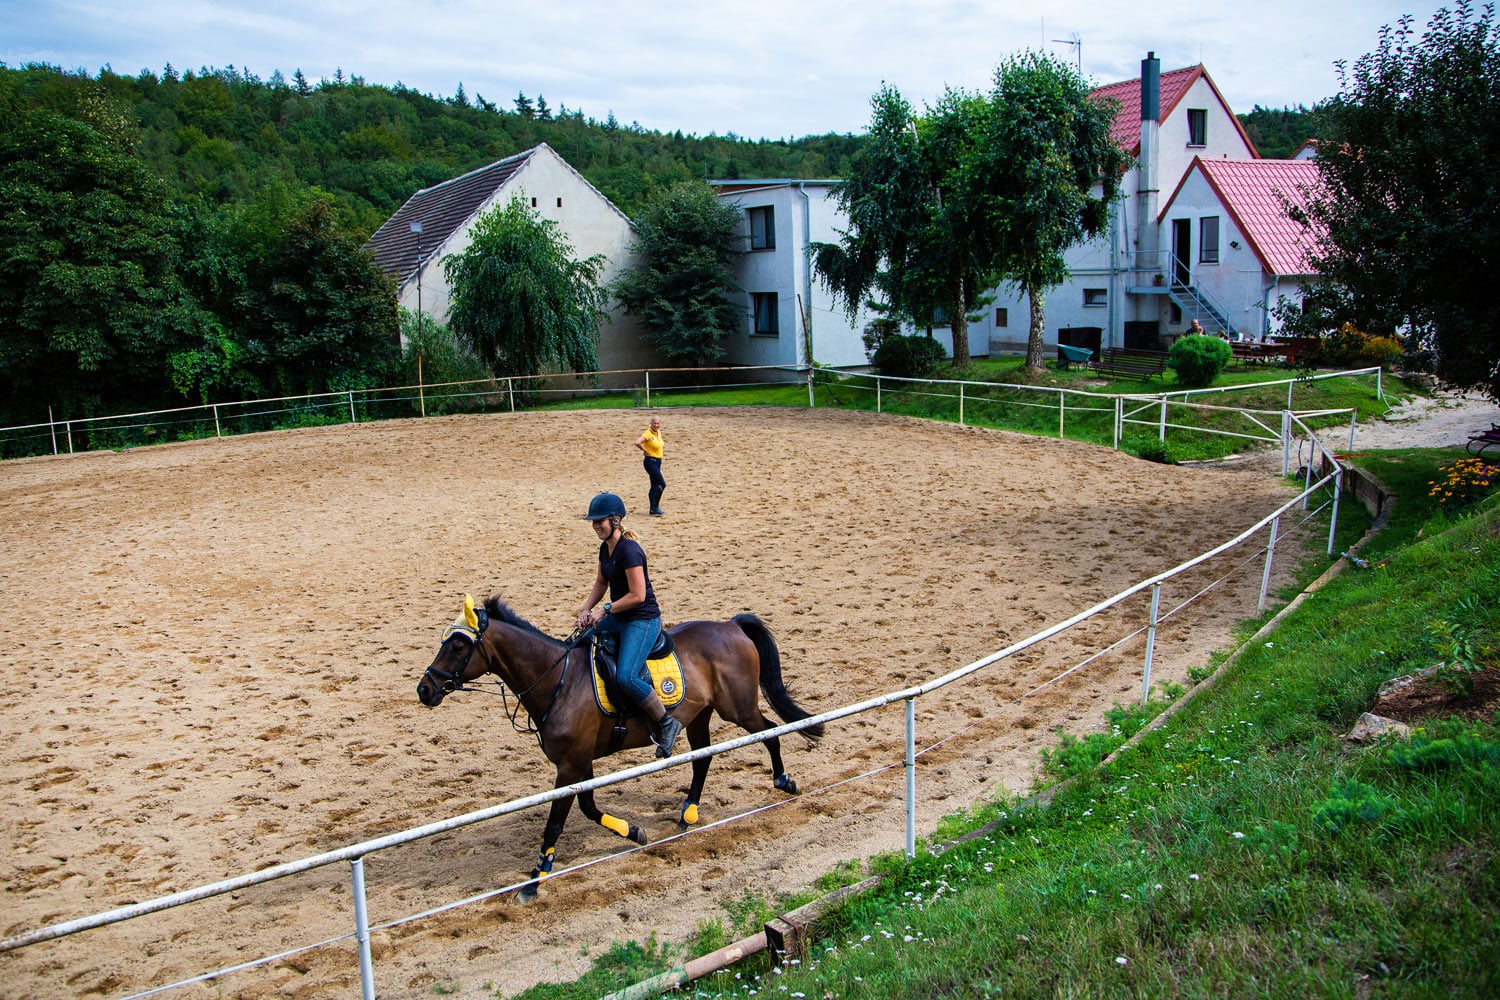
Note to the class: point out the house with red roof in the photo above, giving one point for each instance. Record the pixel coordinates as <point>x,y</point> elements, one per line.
<point>1234,242</point>
<point>1132,286</point>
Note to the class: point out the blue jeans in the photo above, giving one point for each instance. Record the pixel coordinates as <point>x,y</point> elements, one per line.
<point>658,484</point>
<point>636,640</point>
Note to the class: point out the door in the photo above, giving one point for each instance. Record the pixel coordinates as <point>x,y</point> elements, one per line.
<point>1182,251</point>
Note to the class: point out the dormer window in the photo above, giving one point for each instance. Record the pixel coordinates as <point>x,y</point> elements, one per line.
<point>1197,126</point>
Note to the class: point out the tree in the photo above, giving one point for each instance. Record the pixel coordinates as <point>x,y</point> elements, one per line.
<point>1406,226</point>
<point>519,299</point>
<point>1045,167</point>
<point>90,297</point>
<point>906,242</point>
<point>688,240</point>
<point>983,188</point>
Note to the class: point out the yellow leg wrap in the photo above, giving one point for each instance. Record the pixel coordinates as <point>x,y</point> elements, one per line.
<point>690,814</point>
<point>615,824</point>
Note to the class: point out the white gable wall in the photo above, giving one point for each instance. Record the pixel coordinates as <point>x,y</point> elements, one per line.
<point>586,219</point>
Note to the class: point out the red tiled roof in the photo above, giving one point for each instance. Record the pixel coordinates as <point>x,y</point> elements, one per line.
<point>1252,192</point>
<point>1127,129</point>
<point>441,209</point>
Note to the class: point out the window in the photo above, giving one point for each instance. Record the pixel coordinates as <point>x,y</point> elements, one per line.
<point>1208,240</point>
<point>1197,126</point>
<point>766,322</point>
<point>1002,318</point>
<point>559,203</point>
<point>762,228</point>
<point>533,203</point>
<point>1096,296</point>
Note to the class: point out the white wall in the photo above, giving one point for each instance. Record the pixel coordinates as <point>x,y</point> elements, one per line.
<point>805,212</point>
<point>586,219</point>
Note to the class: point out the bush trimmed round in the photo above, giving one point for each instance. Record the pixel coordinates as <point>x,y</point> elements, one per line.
<point>1198,360</point>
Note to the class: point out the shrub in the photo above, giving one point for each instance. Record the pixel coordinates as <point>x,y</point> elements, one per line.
<point>1353,348</point>
<point>1149,448</point>
<point>1198,360</point>
<point>908,357</point>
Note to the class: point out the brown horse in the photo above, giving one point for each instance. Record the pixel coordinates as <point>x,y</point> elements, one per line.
<point>722,665</point>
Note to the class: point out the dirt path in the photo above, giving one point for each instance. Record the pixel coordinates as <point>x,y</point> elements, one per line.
<point>212,648</point>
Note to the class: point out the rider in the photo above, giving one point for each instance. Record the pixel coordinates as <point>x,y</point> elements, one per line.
<point>631,612</point>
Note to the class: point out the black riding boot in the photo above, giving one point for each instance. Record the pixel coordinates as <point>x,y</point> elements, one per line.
<point>666,726</point>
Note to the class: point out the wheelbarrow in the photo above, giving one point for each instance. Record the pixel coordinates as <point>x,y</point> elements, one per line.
<point>1067,355</point>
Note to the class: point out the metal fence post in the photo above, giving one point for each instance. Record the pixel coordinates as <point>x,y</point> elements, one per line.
<point>1150,642</point>
<point>648,387</point>
<point>960,404</point>
<point>351,407</point>
<point>1062,415</point>
<point>362,930</point>
<point>69,428</point>
<point>218,431</point>
<point>1333,521</point>
<point>1265,576</point>
<point>52,428</point>
<point>877,393</point>
<point>812,402</point>
<point>1286,443</point>
<point>510,390</point>
<point>1119,419</point>
<point>1162,431</point>
<point>911,777</point>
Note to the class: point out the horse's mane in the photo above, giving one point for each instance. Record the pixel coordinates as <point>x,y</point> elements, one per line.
<point>496,607</point>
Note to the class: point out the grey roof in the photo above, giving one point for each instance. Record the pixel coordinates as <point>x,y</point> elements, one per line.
<point>442,209</point>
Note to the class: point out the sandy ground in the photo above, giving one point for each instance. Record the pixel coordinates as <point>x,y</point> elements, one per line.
<point>212,648</point>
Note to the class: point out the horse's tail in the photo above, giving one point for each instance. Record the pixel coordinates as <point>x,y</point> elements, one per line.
<point>770,675</point>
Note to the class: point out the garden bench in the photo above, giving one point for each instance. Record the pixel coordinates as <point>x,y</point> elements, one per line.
<point>1121,363</point>
<point>1484,439</point>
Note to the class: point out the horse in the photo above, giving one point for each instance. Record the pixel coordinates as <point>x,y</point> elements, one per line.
<point>722,665</point>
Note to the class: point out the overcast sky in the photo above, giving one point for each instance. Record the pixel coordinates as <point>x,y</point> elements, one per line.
<point>776,68</point>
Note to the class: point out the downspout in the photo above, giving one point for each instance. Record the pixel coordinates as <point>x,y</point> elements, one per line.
<point>1265,327</point>
<point>806,310</point>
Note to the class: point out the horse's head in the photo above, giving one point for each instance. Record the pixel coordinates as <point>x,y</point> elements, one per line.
<point>455,663</point>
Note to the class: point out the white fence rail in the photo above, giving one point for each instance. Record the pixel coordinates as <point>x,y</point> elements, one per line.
<point>355,854</point>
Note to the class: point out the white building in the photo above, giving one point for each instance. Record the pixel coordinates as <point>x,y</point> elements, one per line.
<point>436,222</point>
<point>788,313</point>
<point>1256,255</point>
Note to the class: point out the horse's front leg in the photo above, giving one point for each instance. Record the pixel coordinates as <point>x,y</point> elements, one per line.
<point>613,824</point>
<point>555,820</point>
<point>697,731</point>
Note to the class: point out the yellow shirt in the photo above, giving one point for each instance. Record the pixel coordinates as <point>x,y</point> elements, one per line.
<point>652,443</point>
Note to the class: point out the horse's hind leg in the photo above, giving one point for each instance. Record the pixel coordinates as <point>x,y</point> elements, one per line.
<point>697,731</point>
<point>613,824</point>
<point>779,777</point>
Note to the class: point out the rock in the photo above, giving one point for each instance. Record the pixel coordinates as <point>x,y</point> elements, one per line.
<point>1371,727</point>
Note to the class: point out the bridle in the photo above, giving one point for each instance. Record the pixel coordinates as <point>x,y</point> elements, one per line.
<point>452,681</point>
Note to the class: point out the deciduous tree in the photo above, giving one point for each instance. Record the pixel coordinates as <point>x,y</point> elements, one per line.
<point>519,298</point>
<point>687,240</point>
<point>1407,223</point>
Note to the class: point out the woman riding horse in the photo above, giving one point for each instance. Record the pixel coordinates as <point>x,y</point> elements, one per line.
<point>630,613</point>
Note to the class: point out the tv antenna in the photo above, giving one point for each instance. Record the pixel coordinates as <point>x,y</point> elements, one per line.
<point>1075,41</point>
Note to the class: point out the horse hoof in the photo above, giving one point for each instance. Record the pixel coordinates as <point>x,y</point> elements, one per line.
<point>689,815</point>
<point>527,893</point>
<point>786,784</point>
<point>638,835</point>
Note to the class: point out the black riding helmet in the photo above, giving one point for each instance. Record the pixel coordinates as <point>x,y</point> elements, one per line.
<point>605,505</point>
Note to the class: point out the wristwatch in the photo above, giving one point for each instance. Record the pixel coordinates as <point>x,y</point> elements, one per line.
<point>607,606</point>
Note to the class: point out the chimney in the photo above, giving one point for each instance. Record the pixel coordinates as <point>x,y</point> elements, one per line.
<point>1148,187</point>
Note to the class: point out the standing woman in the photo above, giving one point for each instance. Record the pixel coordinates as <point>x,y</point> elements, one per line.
<point>650,443</point>
<point>631,612</point>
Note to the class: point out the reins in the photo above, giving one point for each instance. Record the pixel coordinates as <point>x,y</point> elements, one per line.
<point>533,724</point>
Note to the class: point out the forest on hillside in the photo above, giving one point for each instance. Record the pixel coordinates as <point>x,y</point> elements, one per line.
<point>216,136</point>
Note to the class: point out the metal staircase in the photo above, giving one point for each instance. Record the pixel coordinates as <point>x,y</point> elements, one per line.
<point>1197,303</point>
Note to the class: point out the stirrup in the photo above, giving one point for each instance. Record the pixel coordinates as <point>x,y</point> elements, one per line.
<point>667,735</point>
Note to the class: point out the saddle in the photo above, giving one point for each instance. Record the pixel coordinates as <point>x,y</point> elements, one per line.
<point>661,663</point>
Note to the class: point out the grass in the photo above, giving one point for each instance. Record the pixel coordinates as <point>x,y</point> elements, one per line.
<point>1243,849</point>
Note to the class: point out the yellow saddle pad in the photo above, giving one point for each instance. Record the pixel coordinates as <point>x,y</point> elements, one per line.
<point>666,677</point>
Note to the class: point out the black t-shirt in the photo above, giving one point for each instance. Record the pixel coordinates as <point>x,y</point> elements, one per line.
<point>628,553</point>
